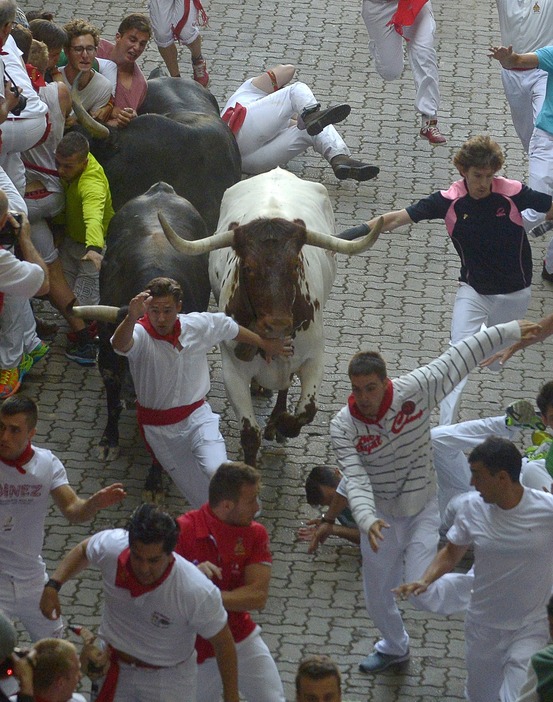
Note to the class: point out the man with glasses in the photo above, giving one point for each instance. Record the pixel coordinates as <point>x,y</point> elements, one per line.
<point>95,90</point>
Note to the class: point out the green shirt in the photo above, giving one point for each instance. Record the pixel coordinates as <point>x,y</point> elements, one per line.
<point>88,208</point>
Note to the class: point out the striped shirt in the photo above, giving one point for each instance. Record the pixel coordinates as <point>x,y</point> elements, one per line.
<point>387,465</point>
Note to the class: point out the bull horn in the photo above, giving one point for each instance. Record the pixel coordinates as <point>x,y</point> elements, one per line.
<point>195,248</point>
<point>333,243</point>
<point>96,129</point>
<point>101,313</point>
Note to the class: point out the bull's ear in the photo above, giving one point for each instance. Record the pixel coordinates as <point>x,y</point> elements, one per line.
<point>300,223</point>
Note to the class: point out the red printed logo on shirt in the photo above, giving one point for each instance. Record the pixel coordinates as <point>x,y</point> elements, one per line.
<point>405,416</point>
<point>500,212</point>
<point>367,443</point>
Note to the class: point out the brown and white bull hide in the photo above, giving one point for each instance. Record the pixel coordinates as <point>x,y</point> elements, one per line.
<point>272,284</point>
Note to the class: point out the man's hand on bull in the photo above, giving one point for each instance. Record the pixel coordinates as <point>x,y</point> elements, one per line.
<point>95,257</point>
<point>121,117</point>
<point>272,347</point>
<point>277,347</point>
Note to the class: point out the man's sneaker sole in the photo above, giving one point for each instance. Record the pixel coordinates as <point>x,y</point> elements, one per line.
<point>38,353</point>
<point>80,360</point>
<point>359,173</point>
<point>376,662</point>
<point>25,366</point>
<point>521,413</point>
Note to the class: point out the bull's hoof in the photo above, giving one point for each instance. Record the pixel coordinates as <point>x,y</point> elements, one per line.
<point>288,425</point>
<point>108,453</point>
<point>153,490</point>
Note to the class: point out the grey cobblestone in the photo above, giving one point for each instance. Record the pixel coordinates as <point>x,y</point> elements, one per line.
<point>397,298</point>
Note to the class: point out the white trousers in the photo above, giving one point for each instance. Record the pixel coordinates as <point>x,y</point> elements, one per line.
<point>451,444</point>
<point>386,47</point>
<point>41,234</point>
<point>15,200</point>
<point>164,14</point>
<point>190,451</point>
<point>267,139</point>
<point>19,134</point>
<point>525,93</point>
<point>174,684</point>
<point>17,331</point>
<point>497,659</point>
<point>470,311</point>
<point>408,547</point>
<point>82,276</point>
<point>258,678</point>
<point>19,599</point>
<point>540,177</point>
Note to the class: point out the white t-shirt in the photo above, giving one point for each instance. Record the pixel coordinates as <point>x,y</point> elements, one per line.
<point>13,64</point>
<point>513,564</point>
<point>525,24</point>
<point>24,502</point>
<point>165,377</point>
<point>160,626</point>
<point>95,95</point>
<point>109,70</point>
<point>19,278</point>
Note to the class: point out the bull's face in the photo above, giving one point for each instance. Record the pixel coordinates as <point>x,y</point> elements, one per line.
<point>270,270</point>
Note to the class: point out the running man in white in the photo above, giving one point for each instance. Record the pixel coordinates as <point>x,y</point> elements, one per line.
<point>451,442</point>
<point>388,27</point>
<point>167,354</point>
<point>510,528</point>
<point>382,443</point>
<point>29,477</point>
<point>155,603</point>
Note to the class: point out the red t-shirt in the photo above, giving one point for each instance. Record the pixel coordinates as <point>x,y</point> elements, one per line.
<point>204,537</point>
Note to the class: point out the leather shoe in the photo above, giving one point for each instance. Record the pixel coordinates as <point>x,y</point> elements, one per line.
<point>376,662</point>
<point>316,120</point>
<point>345,167</point>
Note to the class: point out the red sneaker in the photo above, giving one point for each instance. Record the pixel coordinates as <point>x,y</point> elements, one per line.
<point>431,131</point>
<point>201,75</point>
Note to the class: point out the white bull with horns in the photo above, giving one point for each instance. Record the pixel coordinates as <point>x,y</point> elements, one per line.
<point>272,265</point>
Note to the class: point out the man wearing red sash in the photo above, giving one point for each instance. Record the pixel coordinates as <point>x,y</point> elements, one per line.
<point>29,476</point>
<point>233,551</point>
<point>155,602</point>
<point>167,354</point>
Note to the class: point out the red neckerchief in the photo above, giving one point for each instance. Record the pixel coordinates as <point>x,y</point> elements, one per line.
<point>21,460</point>
<point>37,79</point>
<point>406,14</point>
<point>234,117</point>
<point>125,578</point>
<point>384,405</point>
<point>172,338</point>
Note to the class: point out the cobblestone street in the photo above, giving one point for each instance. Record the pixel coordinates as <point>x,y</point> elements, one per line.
<point>397,299</point>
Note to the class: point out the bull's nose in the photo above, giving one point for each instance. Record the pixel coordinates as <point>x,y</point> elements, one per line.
<point>277,326</point>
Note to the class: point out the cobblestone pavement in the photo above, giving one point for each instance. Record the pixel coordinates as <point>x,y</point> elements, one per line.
<point>397,299</point>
